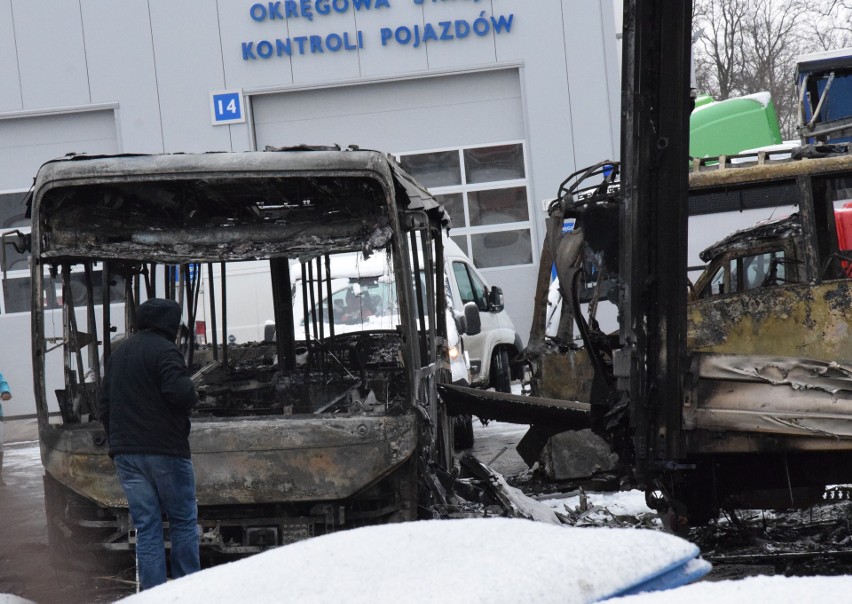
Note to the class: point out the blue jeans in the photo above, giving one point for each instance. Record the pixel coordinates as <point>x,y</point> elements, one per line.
<point>157,485</point>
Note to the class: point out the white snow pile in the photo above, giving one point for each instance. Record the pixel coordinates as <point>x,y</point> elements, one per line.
<point>468,560</point>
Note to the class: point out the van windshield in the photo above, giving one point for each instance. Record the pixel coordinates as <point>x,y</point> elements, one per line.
<point>357,304</point>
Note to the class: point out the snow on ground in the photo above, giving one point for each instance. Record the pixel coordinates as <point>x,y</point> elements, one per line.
<point>10,599</point>
<point>775,589</point>
<point>619,503</point>
<point>615,509</point>
<point>458,563</point>
<point>22,457</point>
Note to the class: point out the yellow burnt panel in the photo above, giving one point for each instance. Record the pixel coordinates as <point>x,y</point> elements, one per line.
<point>792,320</point>
<point>567,376</point>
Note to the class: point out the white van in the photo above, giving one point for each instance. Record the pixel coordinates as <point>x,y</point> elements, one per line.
<point>364,299</point>
<point>497,343</point>
<point>367,285</point>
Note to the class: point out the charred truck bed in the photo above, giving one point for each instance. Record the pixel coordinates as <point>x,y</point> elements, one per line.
<point>765,411</point>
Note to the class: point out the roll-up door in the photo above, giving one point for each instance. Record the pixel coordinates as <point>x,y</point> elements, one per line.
<point>27,142</point>
<point>403,115</point>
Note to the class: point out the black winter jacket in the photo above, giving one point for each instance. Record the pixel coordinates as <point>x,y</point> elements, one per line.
<point>147,395</point>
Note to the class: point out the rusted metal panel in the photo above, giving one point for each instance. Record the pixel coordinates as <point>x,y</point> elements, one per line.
<point>502,406</point>
<point>766,395</point>
<point>739,174</point>
<point>567,376</point>
<point>77,457</point>
<point>251,461</point>
<point>774,361</point>
<point>798,321</point>
<point>808,376</point>
<point>260,461</point>
<point>711,442</point>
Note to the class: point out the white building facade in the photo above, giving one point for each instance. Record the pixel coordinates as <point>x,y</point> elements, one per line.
<point>490,103</point>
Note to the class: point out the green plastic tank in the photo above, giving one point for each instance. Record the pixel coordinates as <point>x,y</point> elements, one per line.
<point>733,125</point>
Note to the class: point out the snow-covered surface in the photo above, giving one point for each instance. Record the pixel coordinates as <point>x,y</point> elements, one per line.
<point>764,98</point>
<point>21,457</point>
<point>469,560</point>
<point>824,55</point>
<point>777,589</point>
<point>10,599</point>
<point>619,503</point>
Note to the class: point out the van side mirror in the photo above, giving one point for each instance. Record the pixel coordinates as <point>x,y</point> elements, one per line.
<point>461,323</point>
<point>473,325</point>
<point>495,299</point>
<point>269,332</point>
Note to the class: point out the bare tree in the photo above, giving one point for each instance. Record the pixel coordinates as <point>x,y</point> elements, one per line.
<point>830,25</point>
<point>719,31</point>
<point>773,40</point>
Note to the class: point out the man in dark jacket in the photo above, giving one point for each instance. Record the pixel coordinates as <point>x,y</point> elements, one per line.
<point>145,405</point>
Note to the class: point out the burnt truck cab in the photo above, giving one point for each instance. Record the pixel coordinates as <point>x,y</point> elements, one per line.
<point>298,435</point>
<point>767,254</point>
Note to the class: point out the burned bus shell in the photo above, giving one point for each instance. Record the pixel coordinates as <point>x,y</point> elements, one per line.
<point>766,412</point>
<point>292,438</point>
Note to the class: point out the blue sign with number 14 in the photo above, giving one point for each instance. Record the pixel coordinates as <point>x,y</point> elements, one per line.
<point>227,107</point>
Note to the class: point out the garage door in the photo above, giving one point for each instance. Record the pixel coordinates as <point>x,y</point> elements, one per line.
<point>406,115</point>
<point>27,142</point>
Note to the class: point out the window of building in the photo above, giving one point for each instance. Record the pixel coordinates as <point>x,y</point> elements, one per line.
<point>486,193</point>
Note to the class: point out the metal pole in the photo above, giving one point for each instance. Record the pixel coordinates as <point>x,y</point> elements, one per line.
<point>655,129</point>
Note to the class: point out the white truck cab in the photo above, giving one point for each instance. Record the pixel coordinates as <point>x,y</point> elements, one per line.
<point>493,347</point>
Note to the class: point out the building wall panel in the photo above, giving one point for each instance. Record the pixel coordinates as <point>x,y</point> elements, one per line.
<point>10,90</point>
<point>120,62</point>
<point>51,54</point>
<point>188,60</point>
<point>397,116</point>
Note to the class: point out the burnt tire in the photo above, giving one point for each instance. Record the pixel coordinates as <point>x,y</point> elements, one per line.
<point>501,372</point>
<point>462,432</point>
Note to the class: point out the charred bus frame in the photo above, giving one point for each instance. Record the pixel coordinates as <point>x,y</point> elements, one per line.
<point>294,438</point>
